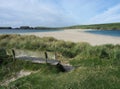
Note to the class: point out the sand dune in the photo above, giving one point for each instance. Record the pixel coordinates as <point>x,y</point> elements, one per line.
<point>79,36</point>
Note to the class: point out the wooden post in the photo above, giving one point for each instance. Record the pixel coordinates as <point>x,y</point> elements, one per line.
<point>13,53</point>
<point>55,56</point>
<point>55,53</point>
<point>46,56</point>
<point>14,59</point>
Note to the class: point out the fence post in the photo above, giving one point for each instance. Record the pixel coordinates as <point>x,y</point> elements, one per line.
<point>55,53</point>
<point>55,56</point>
<point>46,56</point>
<point>14,59</point>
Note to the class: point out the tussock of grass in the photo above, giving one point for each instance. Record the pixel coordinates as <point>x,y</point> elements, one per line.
<point>81,78</point>
<point>11,69</point>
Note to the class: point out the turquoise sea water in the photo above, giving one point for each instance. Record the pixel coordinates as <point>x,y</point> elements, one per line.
<point>115,33</point>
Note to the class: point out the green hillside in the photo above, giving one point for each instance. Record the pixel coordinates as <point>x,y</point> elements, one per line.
<point>110,26</point>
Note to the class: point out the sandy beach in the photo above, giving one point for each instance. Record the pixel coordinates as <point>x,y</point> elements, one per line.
<point>78,35</point>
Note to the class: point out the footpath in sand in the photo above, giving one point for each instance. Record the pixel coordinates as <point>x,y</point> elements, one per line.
<point>77,35</point>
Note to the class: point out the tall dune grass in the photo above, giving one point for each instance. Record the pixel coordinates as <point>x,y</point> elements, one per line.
<point>97,67</point>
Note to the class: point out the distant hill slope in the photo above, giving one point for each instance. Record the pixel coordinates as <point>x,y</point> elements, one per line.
<point>109,26</point>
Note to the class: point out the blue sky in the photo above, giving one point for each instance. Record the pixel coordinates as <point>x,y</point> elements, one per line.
<point>58,12</point>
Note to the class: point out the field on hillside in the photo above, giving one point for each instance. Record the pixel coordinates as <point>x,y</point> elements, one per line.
<point>109,26</point>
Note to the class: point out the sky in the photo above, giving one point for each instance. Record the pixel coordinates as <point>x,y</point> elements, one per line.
<point>57,13</point>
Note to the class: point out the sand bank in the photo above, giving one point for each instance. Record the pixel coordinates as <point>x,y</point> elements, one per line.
<point>79,36</point>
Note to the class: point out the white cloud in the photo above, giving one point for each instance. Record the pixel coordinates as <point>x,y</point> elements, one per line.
<point>56,12</point>
<point>108,16</point>
<point>33,12</point>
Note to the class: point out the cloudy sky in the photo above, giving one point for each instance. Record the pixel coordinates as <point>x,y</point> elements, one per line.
<point>58,12</point>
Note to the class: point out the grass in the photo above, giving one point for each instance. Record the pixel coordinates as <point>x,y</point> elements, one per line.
<point>109,26</point>
<point>9,70</point>
<point>81,78</point>
<point>97,67</point>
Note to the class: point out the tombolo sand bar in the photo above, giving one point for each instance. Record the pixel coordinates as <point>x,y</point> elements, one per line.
<point>81,36</point>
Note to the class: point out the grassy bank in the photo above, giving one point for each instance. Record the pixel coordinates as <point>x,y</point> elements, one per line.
<point>97,67</point>
<point>66,49</point>
<point>83,77</point>
<point>9,69</point>
<point>110,26</point>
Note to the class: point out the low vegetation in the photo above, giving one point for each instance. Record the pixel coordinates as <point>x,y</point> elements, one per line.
<point>111,26</point>
<point>96,67</point>
<point>10,69</point>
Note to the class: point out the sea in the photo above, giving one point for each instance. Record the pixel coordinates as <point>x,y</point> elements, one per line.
<point>19,31</point>
<point>115,33</point>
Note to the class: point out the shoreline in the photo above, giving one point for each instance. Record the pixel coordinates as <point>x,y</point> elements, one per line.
<point>79,35</point>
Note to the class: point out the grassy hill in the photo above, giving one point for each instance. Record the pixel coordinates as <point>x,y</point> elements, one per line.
<point>96,67</point>
<point>110,26</point>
